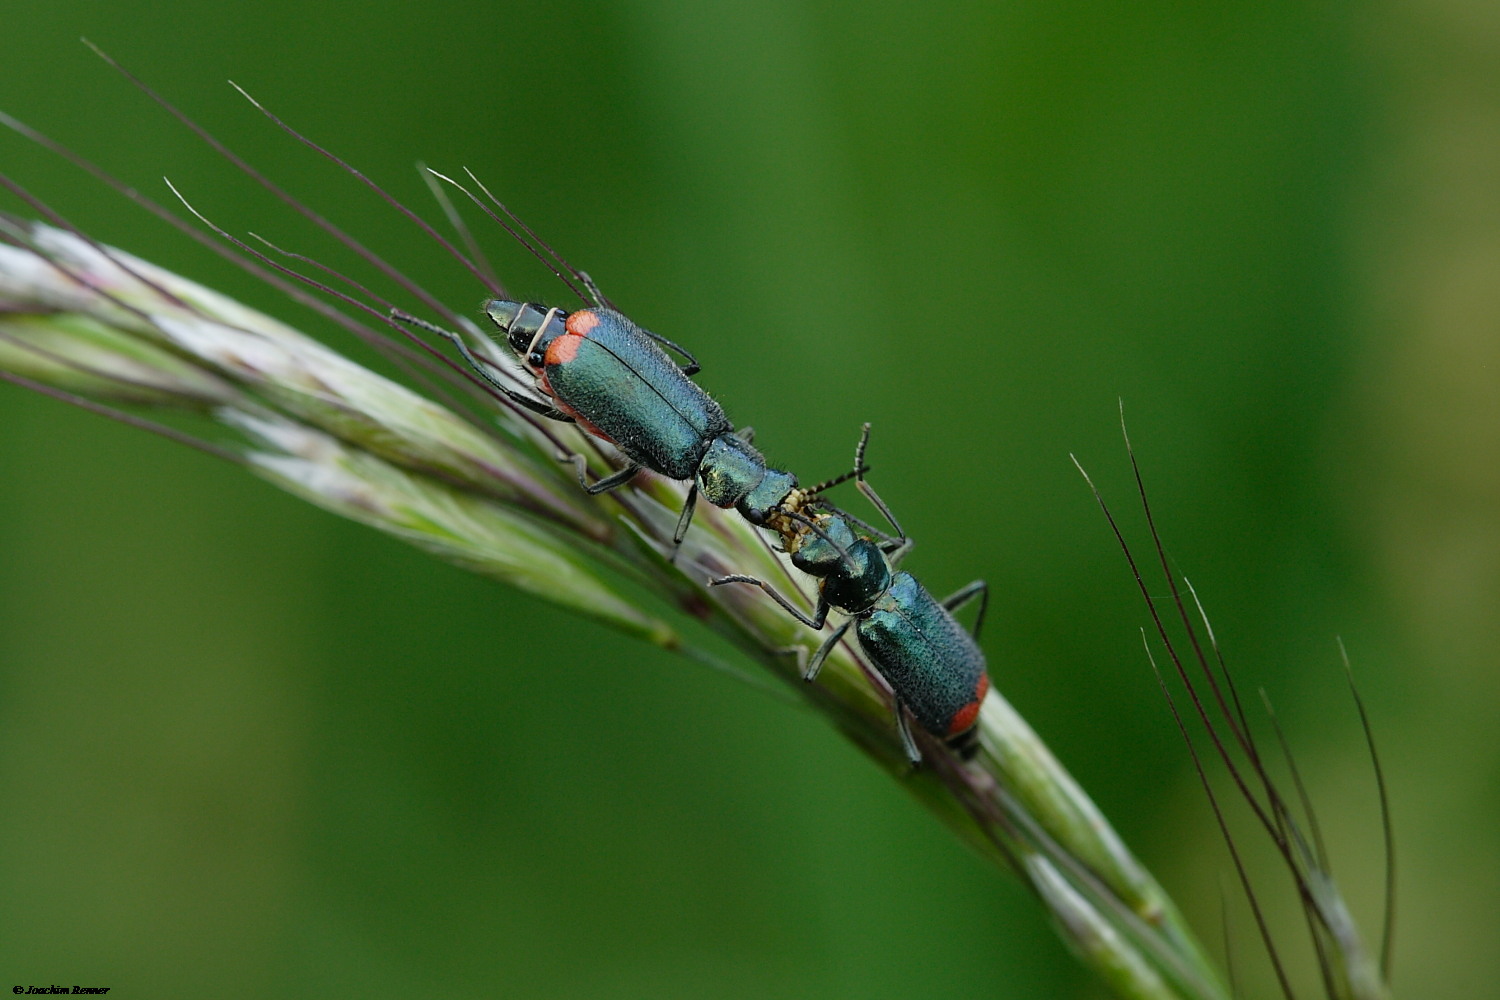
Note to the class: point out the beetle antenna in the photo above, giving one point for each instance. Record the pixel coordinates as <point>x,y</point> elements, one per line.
<point>342,164</point>
<point>828,484</point>
<point>534,249</point>
<point>582,278</point>
<point>476,252</point>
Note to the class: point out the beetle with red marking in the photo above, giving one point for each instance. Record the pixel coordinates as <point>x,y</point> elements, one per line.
<point>933,665</point>
<point>598,369</point>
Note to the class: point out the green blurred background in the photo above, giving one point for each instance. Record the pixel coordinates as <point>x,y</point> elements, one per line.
<point>248,750</point>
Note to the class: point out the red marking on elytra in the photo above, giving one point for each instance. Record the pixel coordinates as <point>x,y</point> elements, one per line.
<point>594,430</point>
<point>563,349</point>
<point>964,718</point>
<point>582,322</point>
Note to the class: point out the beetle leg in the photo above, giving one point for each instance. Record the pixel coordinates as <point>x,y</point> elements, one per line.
<point>798,652</point>
<point>904,728</point>
<point>482,369</point>
<point>895,546</point>
<point>613,481</point>
<point>815,622</point>
<point>816,663</point>
<point>869,491</point>
<point>686,518</point>
<point>966,594</point>
<point>896,549</point>
<point>691,368</point>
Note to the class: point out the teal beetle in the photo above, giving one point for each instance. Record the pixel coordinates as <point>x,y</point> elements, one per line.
<point>934,667</point>
<point>596,368</point>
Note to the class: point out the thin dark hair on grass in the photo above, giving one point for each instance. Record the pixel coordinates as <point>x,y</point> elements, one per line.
<point>1297,838</point>
<point>401,354</point>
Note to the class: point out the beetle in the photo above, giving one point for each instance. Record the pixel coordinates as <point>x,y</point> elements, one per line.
<point>934,666</point>
<point>595,367</point>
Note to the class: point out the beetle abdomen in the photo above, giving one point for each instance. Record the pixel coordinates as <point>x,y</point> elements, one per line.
<point>930,661</point>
